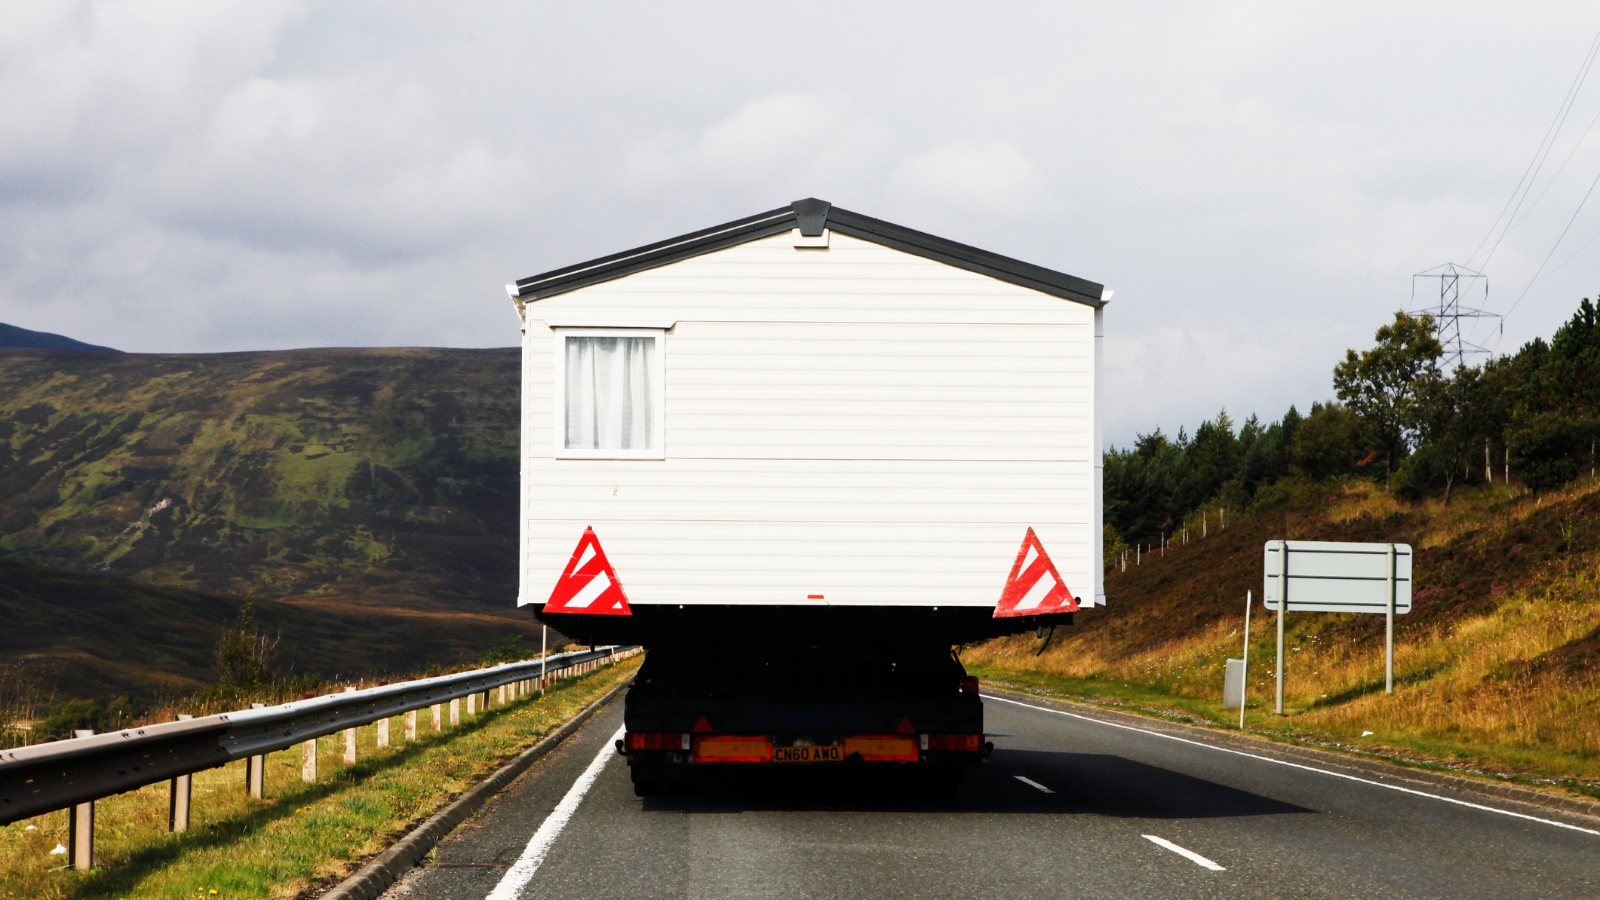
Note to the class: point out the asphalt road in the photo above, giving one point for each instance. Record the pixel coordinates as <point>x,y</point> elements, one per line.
<point>1066,807</point>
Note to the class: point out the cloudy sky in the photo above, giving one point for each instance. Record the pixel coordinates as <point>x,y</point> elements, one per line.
<point>1256,181</point>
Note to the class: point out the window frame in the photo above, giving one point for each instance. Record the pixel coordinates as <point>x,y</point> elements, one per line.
<point>658,426</point>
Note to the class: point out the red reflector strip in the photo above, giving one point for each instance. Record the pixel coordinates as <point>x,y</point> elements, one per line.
<point>655,740</point>
<point>969,684</point>
<point>881,747</point>
<point>730,748</point>
<point>966,743</point>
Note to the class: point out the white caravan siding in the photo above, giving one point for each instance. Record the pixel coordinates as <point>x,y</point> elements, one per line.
<point>856,422</point>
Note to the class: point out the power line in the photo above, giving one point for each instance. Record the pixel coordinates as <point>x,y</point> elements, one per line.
<point>1570,154</point>
<point>1553,247</point>
<point>1575,254</point>
<point>1540,154</point>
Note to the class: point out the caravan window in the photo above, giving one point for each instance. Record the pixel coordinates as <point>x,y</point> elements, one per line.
<point>611,391</point>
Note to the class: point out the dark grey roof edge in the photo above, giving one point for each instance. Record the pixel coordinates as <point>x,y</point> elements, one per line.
<point>559,281</point>
<point>963,256</point>
<point>804,213</point>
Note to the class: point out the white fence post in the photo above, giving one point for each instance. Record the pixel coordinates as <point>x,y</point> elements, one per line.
<point>255,770</point>
<point>80,828</point>
<point>350,737</point>
<point>411,725</point>
<point>383,732</point>
<point>308,760</point>
<point>455,712</point>
<point>181,792</point>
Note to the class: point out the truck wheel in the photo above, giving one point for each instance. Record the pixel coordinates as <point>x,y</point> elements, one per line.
<point>648,780</point>
<point>944,782</point>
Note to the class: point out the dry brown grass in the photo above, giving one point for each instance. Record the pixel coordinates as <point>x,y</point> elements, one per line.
<point>1508,682</point>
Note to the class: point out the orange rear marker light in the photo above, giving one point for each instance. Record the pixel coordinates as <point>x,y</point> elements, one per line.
<point>881,747</point>
<point>732,748</point>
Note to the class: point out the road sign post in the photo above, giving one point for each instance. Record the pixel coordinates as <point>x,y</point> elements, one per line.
<point>1283,606</point>
<point>1388,632</point>
<point>1334,576</point>
<point>1244,668</point>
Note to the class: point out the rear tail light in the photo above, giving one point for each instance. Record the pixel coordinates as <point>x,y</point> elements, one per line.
<point>657,740</point>
<point>969,684</point>
<point>965,743</point>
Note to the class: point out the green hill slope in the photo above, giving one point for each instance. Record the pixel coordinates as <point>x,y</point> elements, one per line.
<point>12,336</point>
<point>375,477</point>
<point>1497,667</point>
<point>95,637</point>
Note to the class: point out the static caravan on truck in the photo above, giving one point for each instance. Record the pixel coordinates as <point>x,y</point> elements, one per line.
<point>809,410</point>
<point>798,457</point>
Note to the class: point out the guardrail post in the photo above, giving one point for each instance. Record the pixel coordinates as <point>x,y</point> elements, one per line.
<point>411,725</point>
<point>80,828</point>
<point>472,704</point>
<point>455,712</point>
<point>308,760</point>
<point>180,793</point>
<point>437,710</point>
<point>350,738</point>
<point>383,732</point>
<point>255,770</point>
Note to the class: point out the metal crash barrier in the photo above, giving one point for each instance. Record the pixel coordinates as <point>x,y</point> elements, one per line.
<point>72,774</point>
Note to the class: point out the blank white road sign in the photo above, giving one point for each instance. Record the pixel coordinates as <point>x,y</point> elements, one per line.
<point>1333,576</point>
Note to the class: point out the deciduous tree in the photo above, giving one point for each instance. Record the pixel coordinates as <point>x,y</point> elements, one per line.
<point>1380,385</point>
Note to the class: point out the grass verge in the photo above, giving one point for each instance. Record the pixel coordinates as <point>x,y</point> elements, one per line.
<point>1533,768</point>
<point>302,832</point>
<point>1497,667</point>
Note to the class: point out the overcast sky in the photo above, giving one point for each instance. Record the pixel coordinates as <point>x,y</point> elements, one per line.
<point>1257,182</point>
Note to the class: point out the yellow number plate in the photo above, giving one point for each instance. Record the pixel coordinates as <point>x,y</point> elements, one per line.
<point>805,754</point>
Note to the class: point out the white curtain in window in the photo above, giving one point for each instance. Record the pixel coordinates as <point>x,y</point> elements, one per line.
<point>610,393</point>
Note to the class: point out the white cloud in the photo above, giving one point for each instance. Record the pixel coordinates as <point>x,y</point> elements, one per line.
<point>778,142</point>
<point>992,178</point>
<point>1256,181</point>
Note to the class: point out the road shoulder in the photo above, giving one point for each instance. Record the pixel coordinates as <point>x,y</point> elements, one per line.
<point>383,870</point>
<point>1513,796</point>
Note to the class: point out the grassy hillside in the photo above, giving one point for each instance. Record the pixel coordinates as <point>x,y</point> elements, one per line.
<point>1497,667</point>
<point>96,637</point>
<point>377,477</point>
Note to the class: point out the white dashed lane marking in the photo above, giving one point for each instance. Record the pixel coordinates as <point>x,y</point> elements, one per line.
<point>1033,784</point>
<point>1190,855</point>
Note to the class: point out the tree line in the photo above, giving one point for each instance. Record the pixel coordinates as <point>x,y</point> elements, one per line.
<point>1399,418</point>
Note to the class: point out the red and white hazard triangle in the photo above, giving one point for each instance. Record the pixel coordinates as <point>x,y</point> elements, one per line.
<point>588,585</point>
<point>1035,587</point>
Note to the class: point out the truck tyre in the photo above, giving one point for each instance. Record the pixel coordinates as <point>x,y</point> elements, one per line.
<point>648,780</point>
<point>944,782</point>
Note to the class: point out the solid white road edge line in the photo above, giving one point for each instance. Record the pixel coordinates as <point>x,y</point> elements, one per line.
<point>521,871</point>
<point>1033,784</point>
<point>1190,855</point>
<point>1392,787</point>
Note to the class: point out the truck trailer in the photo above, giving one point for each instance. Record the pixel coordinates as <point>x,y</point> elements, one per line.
<point>799,457</point>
